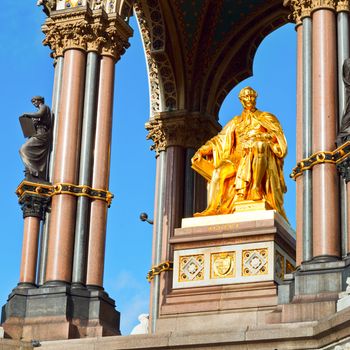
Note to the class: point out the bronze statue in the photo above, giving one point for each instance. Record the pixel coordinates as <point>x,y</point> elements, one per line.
<point>244,162</point>
<point>34,152</point>
<point>344,131</point>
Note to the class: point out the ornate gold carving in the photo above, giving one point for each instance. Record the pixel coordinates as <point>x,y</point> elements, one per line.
<point>295,6</point>
<point>180,129</point>
<point>279,265</point>
<point>303,8</point>
<point>306,7</point>
<point>255,262</point>
<point>223,265</point>
<point>323,4</point>
<point>156,270</point>
<point>333,157</point>
<point>46,190</point>
<point>343,5</point>
<point>289,267</point>
<point>191,268</point>
<point>86,30</point>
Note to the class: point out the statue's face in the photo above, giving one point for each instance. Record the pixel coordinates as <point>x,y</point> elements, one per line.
<point>248,100</point>
<point>36,103</point>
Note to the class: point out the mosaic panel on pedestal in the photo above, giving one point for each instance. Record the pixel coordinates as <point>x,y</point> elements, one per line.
<point>232,264</point>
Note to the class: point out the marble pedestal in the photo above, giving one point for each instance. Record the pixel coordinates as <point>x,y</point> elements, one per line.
<point>59,312</point>
<point>226,271</point>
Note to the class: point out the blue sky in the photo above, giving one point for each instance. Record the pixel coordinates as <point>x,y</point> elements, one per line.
<point>26,70</point>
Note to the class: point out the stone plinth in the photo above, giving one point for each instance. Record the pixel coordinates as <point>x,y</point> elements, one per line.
<point>226,270</point>
<point>321,335</point>
<point>312,292</point>
<point>59,312</point>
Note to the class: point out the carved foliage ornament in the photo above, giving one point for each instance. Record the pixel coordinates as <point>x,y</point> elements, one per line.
<point>172,129</point>
<point>303,8</point>
<point>107,35</point>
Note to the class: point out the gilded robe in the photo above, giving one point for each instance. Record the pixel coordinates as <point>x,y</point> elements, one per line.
<point>233,149</point>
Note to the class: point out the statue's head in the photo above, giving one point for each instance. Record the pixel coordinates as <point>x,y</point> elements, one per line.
<point>37,100</point>
<point>248,96</point>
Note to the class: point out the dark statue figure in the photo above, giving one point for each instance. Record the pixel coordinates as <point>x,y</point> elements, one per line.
<point>344,131</point>
<point>35,151</point>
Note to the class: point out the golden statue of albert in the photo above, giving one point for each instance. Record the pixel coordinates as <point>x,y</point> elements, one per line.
<point>244,162</point>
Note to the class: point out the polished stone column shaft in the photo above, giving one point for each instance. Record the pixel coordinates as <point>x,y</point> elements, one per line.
<point>57,87</point>
<point>62,218</point>
<point>324,176</point>
<point>100,177</point>
<point>29,250</point>
<point>299,147</point>
<point>160,192</point>
<point>189,185</point>
<point>172,212</point>
<point>307,137</point>
<point>85,170</point>
<point>343,53</point>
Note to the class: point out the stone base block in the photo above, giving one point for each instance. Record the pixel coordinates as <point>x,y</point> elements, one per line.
<point>226,270</point>
<point>311,293</point>
<point>59,313</point>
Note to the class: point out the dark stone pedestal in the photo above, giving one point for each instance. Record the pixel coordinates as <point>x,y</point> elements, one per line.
<point>59,312</point>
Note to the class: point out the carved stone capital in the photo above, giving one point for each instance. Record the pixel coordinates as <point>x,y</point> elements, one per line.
<point>34,198</point>
<point>86,30</point>
<point>303,8</point>
<point>188,130</point>
<point>306,8</point>
<point>324,4</point>
<point>295,7</point>
<point>344,169</point>
<point>343,6</point>
<point>34,205</point>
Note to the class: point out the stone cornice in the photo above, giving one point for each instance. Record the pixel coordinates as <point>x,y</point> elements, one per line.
<point>180,128</point>
<point>86,30</point>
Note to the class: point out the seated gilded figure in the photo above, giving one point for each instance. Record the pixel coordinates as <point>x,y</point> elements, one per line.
<point>244,162</point>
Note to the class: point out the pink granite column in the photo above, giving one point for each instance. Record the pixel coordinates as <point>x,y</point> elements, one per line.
<point>173,209</point>
<point>29,250</point>
<point>100,177</point>
<point>324,176</point>
<point>62,219</point>
<point>299,147</point>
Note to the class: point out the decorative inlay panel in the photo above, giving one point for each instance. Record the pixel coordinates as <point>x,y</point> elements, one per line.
<point>230,264</point>
<point>191,268</point>
<point>254,262</point>
<point>223,265</point>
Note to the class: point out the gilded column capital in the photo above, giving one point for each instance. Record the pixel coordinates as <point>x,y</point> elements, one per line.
<point>324,4</point>
<point>306,8</point>
<point>86,30</point>
<point>116,37</point>
<point>188,130</point>
<point>295,7</point>
<point>343,6</point>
